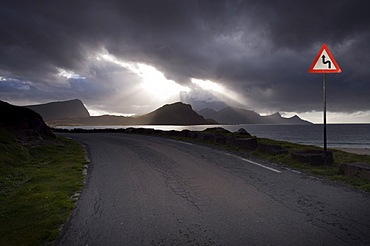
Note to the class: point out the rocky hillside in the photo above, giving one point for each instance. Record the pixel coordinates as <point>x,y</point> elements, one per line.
<point>174,114</point>
<point>231,115</point>
<point>25,124</point>
<point>59,110</point>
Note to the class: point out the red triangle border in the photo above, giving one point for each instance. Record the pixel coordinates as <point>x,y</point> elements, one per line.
<point>324,47</point>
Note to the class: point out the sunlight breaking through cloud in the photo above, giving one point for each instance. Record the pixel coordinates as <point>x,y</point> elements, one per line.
<point>98,112</point>
<point>69,74</point>
<point>208,85</point>
<point>154,81</point>
<point>222,93</point>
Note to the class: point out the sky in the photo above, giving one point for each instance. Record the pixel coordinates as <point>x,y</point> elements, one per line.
<point>131,57</point>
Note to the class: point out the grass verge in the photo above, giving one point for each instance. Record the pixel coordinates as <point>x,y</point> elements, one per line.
<point>330,172</point>
<point>36,184</point>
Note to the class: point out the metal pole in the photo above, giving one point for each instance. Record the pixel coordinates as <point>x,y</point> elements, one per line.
<point>324,89</point>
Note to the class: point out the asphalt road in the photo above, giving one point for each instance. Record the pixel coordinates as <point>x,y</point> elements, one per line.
<point>144,190</point>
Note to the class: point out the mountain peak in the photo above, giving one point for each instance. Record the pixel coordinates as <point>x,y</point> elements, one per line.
<point>61,109</point>
<point>231,115</point>
<point>177,105</point>
<point>176,113</point>
<point>277,114</point>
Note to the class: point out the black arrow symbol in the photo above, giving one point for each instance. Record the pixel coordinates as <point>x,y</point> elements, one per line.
<point>325,62</point>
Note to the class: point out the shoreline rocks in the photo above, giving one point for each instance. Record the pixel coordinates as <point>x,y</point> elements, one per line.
<point>272,149</point>
<point>314,157</point>
<point>218,135</point>
<point>356,169</point>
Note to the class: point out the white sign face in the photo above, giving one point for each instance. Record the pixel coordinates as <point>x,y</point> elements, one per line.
<point>324,62</point>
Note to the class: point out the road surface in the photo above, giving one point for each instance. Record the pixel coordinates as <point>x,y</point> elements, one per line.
<point>145,190</point>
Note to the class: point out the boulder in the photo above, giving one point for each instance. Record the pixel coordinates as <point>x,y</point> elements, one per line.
<point>184,133</point>
<point>219,138</point>
<point>242,131</point>
<point>143,130</point>
<point>356,169</point>
<point>217,129</point>
<point>211,137</point>
<point>314,157</point>
<point>159,132</point>
<point>271,149</point>
<point>206,136</point>
<point>246,143</point>
<point>172,133</point>
<point>129,130</point>
<point>192,134</point>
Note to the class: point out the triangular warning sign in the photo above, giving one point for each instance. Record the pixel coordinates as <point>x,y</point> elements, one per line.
<point>324,62</point>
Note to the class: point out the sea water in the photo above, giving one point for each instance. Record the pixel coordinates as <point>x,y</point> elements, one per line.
<point>338,135</point>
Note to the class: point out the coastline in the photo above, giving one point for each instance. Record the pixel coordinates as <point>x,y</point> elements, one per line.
<point>351,138</point>
<point>359,151</point>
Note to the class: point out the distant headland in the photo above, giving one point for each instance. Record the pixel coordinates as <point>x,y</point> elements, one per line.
<point>74,113</point>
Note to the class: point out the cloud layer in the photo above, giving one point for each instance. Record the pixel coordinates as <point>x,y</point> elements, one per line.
<point>257,51</point>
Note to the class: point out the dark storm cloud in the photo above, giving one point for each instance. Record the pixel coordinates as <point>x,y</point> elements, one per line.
<point>261,49</point>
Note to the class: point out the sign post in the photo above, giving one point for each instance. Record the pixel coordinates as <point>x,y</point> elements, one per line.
<point>324,97</point>
<point>324,63</point>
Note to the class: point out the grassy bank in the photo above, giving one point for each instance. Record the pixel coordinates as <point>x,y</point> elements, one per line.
<point>36,183</point>
<point>330,172</point>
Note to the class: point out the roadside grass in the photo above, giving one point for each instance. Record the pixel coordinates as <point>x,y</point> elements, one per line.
<point>331,172</point>
<point>36,184</point>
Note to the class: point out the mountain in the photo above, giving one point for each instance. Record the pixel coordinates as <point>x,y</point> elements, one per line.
<point>207,113</point>
<point>173,114</point>
<point>278,119</point>
<point>59,110</point>
<point>231,115</point>
<point>169,114</point>
<point>25,124</point>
